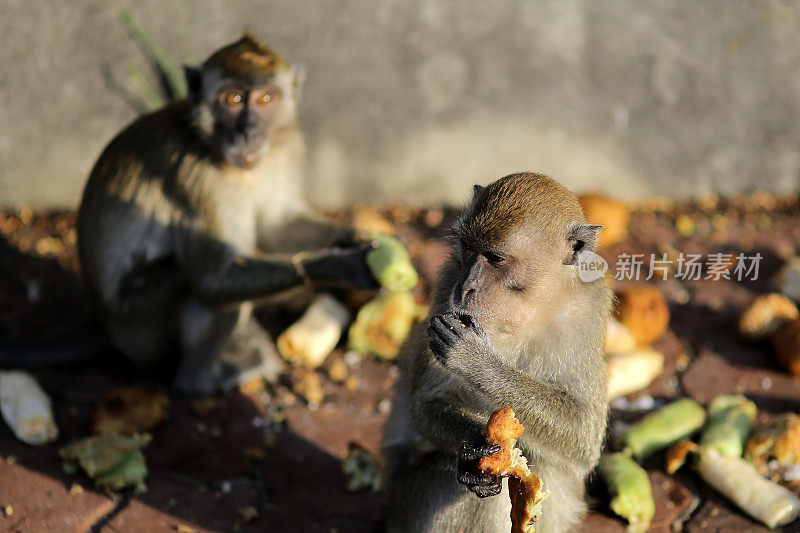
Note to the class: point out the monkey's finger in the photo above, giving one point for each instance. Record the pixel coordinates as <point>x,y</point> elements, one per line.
<point>472,452</point>
<point>465,477</point>
<point>485,491</point>
<point>437,333</point>
<point>453,323</point>
<point>472,323</point>
<point>445,331</point>
<point>439,350</point>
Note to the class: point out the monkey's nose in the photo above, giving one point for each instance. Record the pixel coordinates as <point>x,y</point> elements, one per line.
<point>467,297</point>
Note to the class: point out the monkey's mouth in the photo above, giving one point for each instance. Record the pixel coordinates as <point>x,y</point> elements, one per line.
<point>248,161</point>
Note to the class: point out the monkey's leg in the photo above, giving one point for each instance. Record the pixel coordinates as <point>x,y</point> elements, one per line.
<point>426,497</point>
<point>223,347</point>
<point>566,505</point>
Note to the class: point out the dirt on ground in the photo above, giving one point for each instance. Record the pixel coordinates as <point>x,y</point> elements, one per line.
<point>263,459</point>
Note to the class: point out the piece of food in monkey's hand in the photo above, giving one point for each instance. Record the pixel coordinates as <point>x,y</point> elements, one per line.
<point>643,310</point>
<point>629,488</point>
<point>128,410</point>
<point>740,482</point>
<point>313,337</point>
<point>766,315</point>
<point>383,324</point>
<point>662,427</point>
<point>390,264</point>
<point>503,429</point>
<point>113,460</point>
<point>26,408</point>
<point>730,419</point>
<point>632,371</point>
<point>524,487</point>
<point>618,339</point>
<point>609,213</point>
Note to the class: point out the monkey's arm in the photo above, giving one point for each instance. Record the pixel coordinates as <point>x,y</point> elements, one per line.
<point>316,232</point>
<point>450,425</point>
<point>556,422</point>
<point>306,231</point>
<point>219,275</point>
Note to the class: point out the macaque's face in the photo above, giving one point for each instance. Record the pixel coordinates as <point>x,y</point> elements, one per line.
<point>246,115</point>
<point>511,287</point>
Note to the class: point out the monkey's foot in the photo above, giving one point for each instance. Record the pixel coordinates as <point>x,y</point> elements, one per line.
<point>248,354</point>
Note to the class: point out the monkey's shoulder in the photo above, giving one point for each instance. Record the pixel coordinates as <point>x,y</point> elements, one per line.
<point>153,146</point>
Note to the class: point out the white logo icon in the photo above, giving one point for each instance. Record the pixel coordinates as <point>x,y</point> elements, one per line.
<point>591,266</point>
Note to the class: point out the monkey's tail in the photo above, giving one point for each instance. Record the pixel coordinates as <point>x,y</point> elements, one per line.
<point>79,346</point>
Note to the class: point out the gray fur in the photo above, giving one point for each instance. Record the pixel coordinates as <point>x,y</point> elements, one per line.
<point>551,373</point>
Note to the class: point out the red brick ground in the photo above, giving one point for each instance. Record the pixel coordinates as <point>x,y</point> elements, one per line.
<point>211,461</point>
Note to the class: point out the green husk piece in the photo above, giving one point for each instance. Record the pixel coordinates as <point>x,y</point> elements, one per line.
<point>145,89</point>
<point>170,73</point>
<point>391,265</point>
<point>730,419</point>
<point>629,488</point>
<point>112,460</point>
<point>662,428</point>
<point>383,324</point>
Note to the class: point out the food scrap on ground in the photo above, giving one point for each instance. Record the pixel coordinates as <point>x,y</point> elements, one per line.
<point>128,410</point>
<point>310,340</point>
<point>629,489</point>
<point>383,324</point>
<point>26,408</point>
<point>112,460</point>
<point>361,469</point>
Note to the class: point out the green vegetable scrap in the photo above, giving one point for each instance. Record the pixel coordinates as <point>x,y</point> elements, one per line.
<point>730,419</point>
<point>661,428</point>
<point>391,264</point>
<point>383,324</point>
<point>629,488</point>
<point>112,460</point>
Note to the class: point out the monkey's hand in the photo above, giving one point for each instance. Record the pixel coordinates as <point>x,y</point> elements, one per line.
<point>484,485</point>
<point>459,343</point>
<point>342,266</point>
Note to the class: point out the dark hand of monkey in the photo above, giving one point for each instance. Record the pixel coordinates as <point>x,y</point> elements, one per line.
<point>484,485</point>
<point>343,266</point>
<point>458,342</point>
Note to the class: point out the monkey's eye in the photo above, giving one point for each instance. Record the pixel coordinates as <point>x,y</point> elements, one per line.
<point>232,98</point>
<point>494,258</point>
<point>264,99</point>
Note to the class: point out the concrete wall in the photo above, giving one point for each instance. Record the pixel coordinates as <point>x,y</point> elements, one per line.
<point>416,100</point>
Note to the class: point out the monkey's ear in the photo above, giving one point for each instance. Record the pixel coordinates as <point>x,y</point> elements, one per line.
<point>194,82</point>
<point>476,190</point>
<point>300,74</point>
<point>582,237</point>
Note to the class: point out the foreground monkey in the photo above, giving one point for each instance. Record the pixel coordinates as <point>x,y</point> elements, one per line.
<point>512,325</point>
<point>195,210</point>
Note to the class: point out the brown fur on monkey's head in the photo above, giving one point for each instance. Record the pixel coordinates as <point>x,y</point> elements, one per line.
<point>247,58</point>
<point>524,198</point>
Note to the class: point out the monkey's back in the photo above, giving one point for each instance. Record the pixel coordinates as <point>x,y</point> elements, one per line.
<point>129,205</point>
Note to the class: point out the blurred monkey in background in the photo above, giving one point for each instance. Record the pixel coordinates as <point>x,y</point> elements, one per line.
<point>197,210</point>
